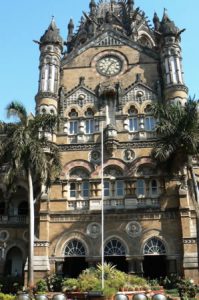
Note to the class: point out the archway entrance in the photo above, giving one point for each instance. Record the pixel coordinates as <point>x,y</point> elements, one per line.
<point>115,253</point>
<point>75,261</point>
<point>14,262</point>
<point>154,264</point>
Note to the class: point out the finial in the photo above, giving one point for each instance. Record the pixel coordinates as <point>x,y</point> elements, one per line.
<point>165,15</point>
<point>130,5</point>
<point>70,28</point>
<point>156,21</point>
<point>92,6</point>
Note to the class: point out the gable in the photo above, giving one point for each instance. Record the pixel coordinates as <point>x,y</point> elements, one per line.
<point>139,92</point>
<point>109,39</point>
<point>80,96</point>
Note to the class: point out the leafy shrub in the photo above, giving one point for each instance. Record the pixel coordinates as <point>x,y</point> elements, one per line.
<point>70,284</point>
<point>6,297</point>
<point>41,286</point>
<point>187,288</point>
<point>54,283</point>
<point>11,284</point>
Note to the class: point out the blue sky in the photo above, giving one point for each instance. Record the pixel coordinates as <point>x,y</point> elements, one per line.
<point>23,21</point>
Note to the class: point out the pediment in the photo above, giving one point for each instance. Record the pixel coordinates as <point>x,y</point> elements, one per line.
<point>80,95</point>
<point>109,38</point>
<point>139,92</point>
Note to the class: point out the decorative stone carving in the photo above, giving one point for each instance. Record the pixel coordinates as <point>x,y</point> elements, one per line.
<point>133,229</point>
<point>129,155</point>
<point>94,156</point>
<point>94,230</point>
<point>113,172</point>
<point>79,173</point>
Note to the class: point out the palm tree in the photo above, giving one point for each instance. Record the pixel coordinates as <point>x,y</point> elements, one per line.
<point>28,154</point>
<point>178,131</point>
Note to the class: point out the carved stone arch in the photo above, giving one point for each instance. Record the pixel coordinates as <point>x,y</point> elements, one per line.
<point>19,244</point>
<point>115,163</point>
<point>89,106</point>
<point>77,164</point>
<point>119,239</point>
<point>142,33</point>
<point>139,162</point>
<point>74,106</point>
<point>129,104</point>
<point>60,246</point>
<point>144,106</point>
<point>158,246</point>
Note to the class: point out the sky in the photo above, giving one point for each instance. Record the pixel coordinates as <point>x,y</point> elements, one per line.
<point>22,21</point>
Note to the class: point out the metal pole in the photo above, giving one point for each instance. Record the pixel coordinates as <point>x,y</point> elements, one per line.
<point>102,203</point>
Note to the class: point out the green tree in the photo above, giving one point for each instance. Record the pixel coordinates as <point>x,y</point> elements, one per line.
<point>178,131</point>
<point>27,153</point>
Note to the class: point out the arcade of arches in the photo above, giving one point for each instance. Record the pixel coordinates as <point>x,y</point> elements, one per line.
<point>154,254</point>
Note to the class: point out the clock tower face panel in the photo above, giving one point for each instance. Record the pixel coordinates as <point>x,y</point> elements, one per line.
<point>109,65</point>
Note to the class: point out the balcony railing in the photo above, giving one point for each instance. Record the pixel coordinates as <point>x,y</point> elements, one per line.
<point>13,219</point>
<point>130,203</point>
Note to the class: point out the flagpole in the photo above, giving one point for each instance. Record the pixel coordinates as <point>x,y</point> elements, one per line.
<point>102,203</point>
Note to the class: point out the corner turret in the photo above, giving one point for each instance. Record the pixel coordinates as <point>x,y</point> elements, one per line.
<point>51,47</point>
<point>168,35</point>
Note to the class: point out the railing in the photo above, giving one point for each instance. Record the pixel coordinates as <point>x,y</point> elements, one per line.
<point>95,204</point>
<point>13,219</point>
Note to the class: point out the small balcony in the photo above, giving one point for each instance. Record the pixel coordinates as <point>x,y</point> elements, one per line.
<point>114,203</point>
<point>11,220</point>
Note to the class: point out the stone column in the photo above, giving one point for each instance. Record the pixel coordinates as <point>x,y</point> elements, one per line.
<point>171,265</point>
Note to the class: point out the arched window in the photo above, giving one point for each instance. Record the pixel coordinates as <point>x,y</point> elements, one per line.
<point>133,119</point>
<point>114,247</point>
<point>75,248</point>
<point>73,124</point>
<point>154,246</point>
<point>79,185</point>
<point>89,123</point>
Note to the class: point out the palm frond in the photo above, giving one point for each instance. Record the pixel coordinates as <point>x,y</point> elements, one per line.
<point>17,109</point>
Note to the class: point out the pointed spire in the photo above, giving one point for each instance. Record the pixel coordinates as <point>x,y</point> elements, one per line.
<point>92,6</point>
<point>70,27</point>
<point>51,35</point>
<point>130,5</point>
<point>167,26</point>
<point>165,17</point>
<point>156,21</point>
<point>70,30</point>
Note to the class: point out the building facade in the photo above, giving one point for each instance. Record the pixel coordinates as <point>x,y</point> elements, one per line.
<point>102,86</point>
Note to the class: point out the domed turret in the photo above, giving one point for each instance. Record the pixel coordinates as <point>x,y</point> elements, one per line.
<point>169,34</point>
<point>51,46</point>
<point>168,27</point>
<point>51,35</point>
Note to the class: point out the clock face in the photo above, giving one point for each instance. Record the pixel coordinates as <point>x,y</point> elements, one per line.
<point>109,65</point>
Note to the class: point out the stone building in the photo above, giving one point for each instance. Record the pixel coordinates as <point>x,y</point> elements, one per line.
<point>106,78</point>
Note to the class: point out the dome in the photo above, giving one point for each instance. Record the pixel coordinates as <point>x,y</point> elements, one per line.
<point>51,35</point>
<point>168,27</point>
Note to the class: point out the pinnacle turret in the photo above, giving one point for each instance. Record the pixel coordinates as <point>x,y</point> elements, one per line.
<point>51,35</point>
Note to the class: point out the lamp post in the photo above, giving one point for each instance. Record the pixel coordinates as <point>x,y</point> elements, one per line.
<point>102,203</point>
